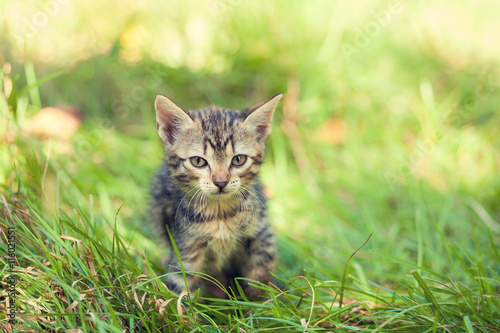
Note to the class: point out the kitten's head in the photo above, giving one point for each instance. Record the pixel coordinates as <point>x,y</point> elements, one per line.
<point>214,149</point>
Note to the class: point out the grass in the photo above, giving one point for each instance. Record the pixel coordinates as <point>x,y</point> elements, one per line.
<point>414,164</point>
<point>79,274</point>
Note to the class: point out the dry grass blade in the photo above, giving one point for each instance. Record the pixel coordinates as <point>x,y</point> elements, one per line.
<point>8,213</point>
<point>180,307</point>
<point>72,306</point>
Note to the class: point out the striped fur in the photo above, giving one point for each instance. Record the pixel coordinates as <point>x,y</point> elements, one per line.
<point>216,213</point>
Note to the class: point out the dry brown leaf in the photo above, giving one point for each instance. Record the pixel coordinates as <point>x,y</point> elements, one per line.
<point>53,255</point>
<point>180,308</point>
<point>92,316</point>
<point>8,137</point>
<point>89,258</point>
<point>72,306</point>
<point>71,238</point>
<point>333,132</point>
<point>136,298</point>
<point>160,306</point>
<point>6,328</point>
<point>59,122</point>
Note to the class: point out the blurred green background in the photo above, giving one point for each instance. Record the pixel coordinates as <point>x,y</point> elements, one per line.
<point>389,123</point>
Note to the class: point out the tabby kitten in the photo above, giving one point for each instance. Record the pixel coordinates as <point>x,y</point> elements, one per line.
<point>208,194</point>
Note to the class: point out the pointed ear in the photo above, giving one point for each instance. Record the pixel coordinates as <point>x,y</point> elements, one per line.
<point>170,119</point>
<point>259,117</point>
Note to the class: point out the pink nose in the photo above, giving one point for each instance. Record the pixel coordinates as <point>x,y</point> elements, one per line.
<point>220,184</point>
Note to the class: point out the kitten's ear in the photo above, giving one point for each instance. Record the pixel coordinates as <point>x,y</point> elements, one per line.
<point>260,116</point>
<point>170,119</point>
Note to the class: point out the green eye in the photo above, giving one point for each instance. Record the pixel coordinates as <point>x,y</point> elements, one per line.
<point>198,161</point>
<point>239,160</point>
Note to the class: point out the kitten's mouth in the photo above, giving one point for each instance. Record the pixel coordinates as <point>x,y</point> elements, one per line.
<point>221,194</point>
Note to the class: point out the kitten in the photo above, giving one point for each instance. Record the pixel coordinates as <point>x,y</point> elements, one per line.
<point>208,194</point>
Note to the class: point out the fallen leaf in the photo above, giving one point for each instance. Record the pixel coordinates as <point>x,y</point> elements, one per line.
<point>59,122</point>
<point>333,132</point>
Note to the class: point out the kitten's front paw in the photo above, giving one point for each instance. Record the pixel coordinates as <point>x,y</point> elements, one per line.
<point>252,292</point>
<point>257,274</point>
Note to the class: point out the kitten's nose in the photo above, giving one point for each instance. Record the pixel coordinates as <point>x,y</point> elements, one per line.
<point>220,184</point>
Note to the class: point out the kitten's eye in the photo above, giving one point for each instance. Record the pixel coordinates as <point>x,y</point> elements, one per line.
<point>198,161</point>
<point>239,160</point>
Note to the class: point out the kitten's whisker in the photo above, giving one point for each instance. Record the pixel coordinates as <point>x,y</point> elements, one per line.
<point>195,204</point>
<point>241,205</point>
<point>251,192</point>
<point>204,206</point>
<point>184,197</point>
<point>189,204</point>
<point>251,207</point>
<point>254,211</point>
<point>207,204</point>
<point>247,206</point>
<point>201,203</point>
<point>251,202</point>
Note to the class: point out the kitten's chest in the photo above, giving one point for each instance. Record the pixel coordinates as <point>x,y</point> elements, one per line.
<point>220,236</point>
<point>222,222</point>
<point>224,238</point>
<point>223,226</point>
<point>227,230</point>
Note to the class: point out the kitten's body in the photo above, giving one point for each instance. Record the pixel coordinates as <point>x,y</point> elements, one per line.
<point>207,193</point>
